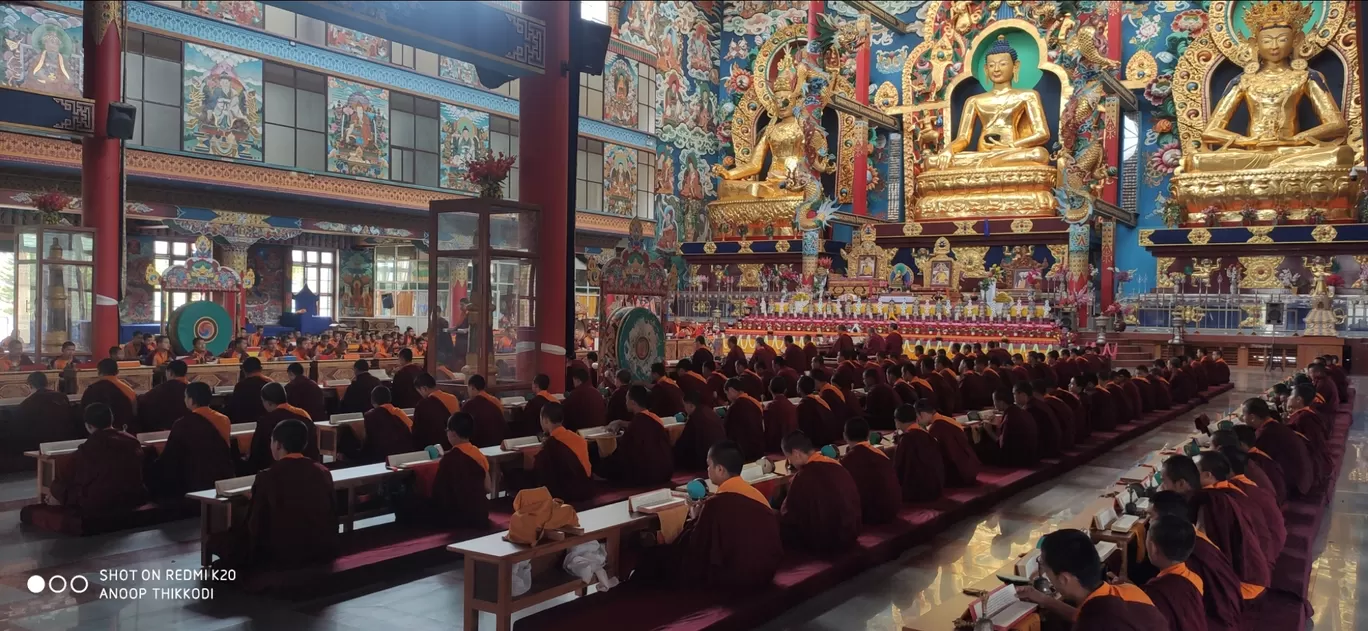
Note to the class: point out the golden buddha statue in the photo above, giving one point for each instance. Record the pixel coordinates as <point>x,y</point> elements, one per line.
<point>1271,88</point>
<point>1013,120</point>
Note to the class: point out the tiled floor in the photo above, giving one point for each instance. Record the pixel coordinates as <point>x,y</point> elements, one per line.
<point>882,598</point>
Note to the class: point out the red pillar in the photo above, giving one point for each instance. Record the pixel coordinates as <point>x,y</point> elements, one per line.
<point>1108,280</point>
<point>102,166</point>
<point>859,194</point>
<point>1112,191</point>
<point>544,153</point>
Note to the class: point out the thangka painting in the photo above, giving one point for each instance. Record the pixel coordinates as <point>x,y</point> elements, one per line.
<point>355,42</point>
<point>358,129</point>
<point>265,300</point>
<point>667,223</point>
<point>223,93</point>
<point>619,179</point>
<point>241,12</point>
<point>620,91</point>
<point>42,50</point>
<point>356,297</point>
<point>462,72</point>
<point>638,24</point>
<point>465,137</point>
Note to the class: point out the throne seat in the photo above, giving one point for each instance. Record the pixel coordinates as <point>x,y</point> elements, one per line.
<point>728,215</point>
<point>1298,190</point>
<point>1015,191</point>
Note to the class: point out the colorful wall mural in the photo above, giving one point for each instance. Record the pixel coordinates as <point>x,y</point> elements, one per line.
<point>356,295</point>
<point>358,129</point>
<point>223,103</point>
<point>620,91</point>
<point>42,50</point>
<point>242,12</point>
<point>465,136</point>
<point>136,306</point>
<point>266,299</point>
<point>619,179</point>
<point>462,72</point>
<point>354,42</point>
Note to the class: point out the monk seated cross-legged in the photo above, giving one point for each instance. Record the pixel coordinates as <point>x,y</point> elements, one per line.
<point>642,454</point>
<point>872,470</point>
<point>488,412</point>
<point>198,451</point>
<point>584,406</point>
<point>1177,590</point>
<point>1218,476</point>
<point>244,406</point>
<point>277,411</point>
<point>431,414</point>
<point>1068,559</point>
<point>1012,438</point>
<point>816,416</point>
<point>304,392</point>
<point>527,422</point>
<point>46,415</point>
<point>159,407</point>
<point>113,392</point>
<point>357,397</point>
<point>388,429</point>
<point>732,543</point>
<point>1223,595</point>
<point>918,459</point>
<point>102,479</point>
<point>820,513</point>
<point>1310,425</point>
<point>562,465</point>
<point>880,400</point>
<point>460,490</point>
<point>1282,444</point>
<point>1259,467</point>
<point>745,421</point>
<point>1224,520</point>
<point>702,430</point>
<point>666,398</point>
<point>781,417</point>
<point>292,518</point>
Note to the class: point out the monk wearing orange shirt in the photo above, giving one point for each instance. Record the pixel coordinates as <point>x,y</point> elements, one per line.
<point>199,449</point>
<point>821,512</point>
<point>432,413</point>
<point>113,392</point>
<point>563,465</point>
<point>488,412</point>
<point>162,355</point>
<point>1069,560</point>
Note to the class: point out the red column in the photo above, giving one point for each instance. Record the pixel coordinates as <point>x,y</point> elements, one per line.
<point>1108,281</point>
<point>544,154</point>
<point>102,166</point>
<point>859,193</point>
<point>1112,191</point>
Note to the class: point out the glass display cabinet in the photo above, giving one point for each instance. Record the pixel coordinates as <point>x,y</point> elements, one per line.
<point>54,288</point>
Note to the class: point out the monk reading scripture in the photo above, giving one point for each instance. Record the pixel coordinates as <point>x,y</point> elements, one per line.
<point>745,421</point>
<point>103,478</point>
<point>273,400</point>
<point>1177,591</point>
<point>1224,520</point>
<point>1246,437</point>
<point>357,397</point>
<point>114,393</point>
<point>562,465</point>
<point>918,458</point>
<point>389,430</point>
<point>702,430</point>
<point>821,512</point>
<point>584,406</point>
<point>1283,446</point>
<point>198,451</point>
<point>304,393</point>
<point>1222,600</point>
<point>159,407</point>
<point>1011,439</point>
<point>666,397</point>
<point>1306,421</point>
<point>431,414</point>
<point>405,375</point>
<point>245,404</point>
<point>816,418</point>
<point>872,470</point>
<point>488,412</point>
<point>1048,433</point>
<point>1068,559</point>
<point>880,401</point>
<point>781,417</point>
<point>460,491</point>
<point>643,455</point>
<point>617,401</point>
<point>1218,477</point>
<point>690,381</point>
<point>46,415</point>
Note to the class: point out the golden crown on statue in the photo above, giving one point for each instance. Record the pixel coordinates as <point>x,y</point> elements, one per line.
<point>1277,13</point>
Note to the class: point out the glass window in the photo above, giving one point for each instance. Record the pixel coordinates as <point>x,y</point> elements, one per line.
<point>314,269</point>
<point>589,175</point>
<point>166,254</point>
<point>152,83</point>
<point>413,139</point>
<point>296,108</point>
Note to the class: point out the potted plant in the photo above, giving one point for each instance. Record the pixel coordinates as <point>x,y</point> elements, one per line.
<point>488,172</point>
<point>1249,216</point>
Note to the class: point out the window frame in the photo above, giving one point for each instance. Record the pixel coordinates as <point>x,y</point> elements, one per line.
<point>327,300</point>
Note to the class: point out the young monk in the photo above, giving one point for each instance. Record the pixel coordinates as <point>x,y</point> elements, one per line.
<point>717,380</point>
<point>431,414</point>
<point>821,513</point>
<point>956,452</point>
<point>304,392</point>
<point>702,430</point>
<point>527,422</point>
<point>745,421</point>
<point>162,353</point>
<point>975,390</point>
<point>1258,465</point>
<point>816,419</point>
<point>1222,598</point>
<point>113,392</point>
<point>643,456</point>
<point>781,417</point>
<point>1069,560</point>
<point>488,412</point>
<point>690,381</point>
<point>103,478</point>
<point>666,397</point>
<point>68,356</point>
<point>1327,405</point>
<point>1304,420</point>
<point>245,404</point>
<point>562,465</point>
<point>1176,591</point>
<point>880,400</point>
<point>46,413</point>
<point>159,407</point>
<point>277,411</point>
<point>357,396</point>
<point>198,451</point>
<point>872,470</point>
<point>1232,529</point>
<point>405,392</point>
<point>199,354</point>
<point>1283,446</point>
<point>617,402</point>
<point>1217,476</point>
<point>1013,440</point>
<point>133,350</point>
<point>1048,433</point>
<point>584,406</point>
<point>460,492</point>
<point>918,458</point>
<point>292,520</point>
<point>389,430</point>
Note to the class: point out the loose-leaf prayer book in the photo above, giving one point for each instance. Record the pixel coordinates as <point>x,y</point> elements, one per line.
<point>1105,549</point>
<point>351,417</point>
<point>516,444</point>
<point>1029,564</point>
<point>234,486</point>
<point>1103,519</point>
<point>379,373</point>
<point>1002,607</point>
<point>404,460</point>
<point>59,447</point>
<point>334,383</point>
<point>597,432</point>
<point>1124,523</point>
<point>513,401</point>
<point>654,501</point>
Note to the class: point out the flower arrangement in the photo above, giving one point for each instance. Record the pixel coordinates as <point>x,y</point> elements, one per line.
<point>489,172</point>
<point>1211,217</point>
<point>1249,216</point>
<point>1172,213</point>
<point>1334,280</point>
<point>1280,213</point>
<point>1315,217</point>
<point>824,262</point>
<point>51,204</point>
<point>1112,310</point>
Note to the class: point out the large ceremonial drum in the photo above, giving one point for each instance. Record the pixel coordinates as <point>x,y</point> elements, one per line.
<point>204,319</point>
<point>634,340</point>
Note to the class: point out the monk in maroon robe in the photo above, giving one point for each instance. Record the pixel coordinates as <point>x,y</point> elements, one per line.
<point>292,518</point>
<point>160,407</point>
<point>1068,424</point>
<point>562,465</point>
<point>745,421</point>
<point>304,393</point>
<point>1181,382</point>
<point>460,490</point>
<point>961,462</point>
<point>488,412</point>
<point>880,401</point>
<point>1121,403</point>
<point>764,354</point>
<point>1177,591</point>
<point>1284,446</point>
<point>245,404</point>
<point>278,410</point>
<point>1217,476</point>
<point>918,459</point>
<point>197,452</point>
<point>974,389</point>
<point>584,406</point>
<point>666,398</point>
<point>1304,420</point>
<point>690,381</point>
<point>794,356</point>
<point>1082,427</point>
<point>46,415</point>
<point>403,380</point>
<point>103,478</point>
<point>1069,560</point>
<point>1222,519</point>
<point>751,383</point>
<point>1222,600</point>
<point>701,352</point>
<point>389,430</point>
<point>1102,415</point>
<point>733,545</point>
<point>357,397</point>
<point>1013,439</point>
<point>893,342</point>
<point>872,470</point>
<point>784,371</point>
<point>821,513</point>
<point>1328,403</point>
<point>816,416</point>
<point>1048,433</point>
<point>781,416</point>
<point>1337,375</point>
<point>114,393</point>
<point>1258,491</point>
<point>1258,465</point>
<point>702,430</point>
<point>844,344</point>
<point>643,456</point>
<point>717,381</point>
<point>736,358</point>
<point>431,414</point>
<point>947,399</point>
<point>810,351</point>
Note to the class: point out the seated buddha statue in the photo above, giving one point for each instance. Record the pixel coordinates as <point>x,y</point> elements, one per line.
<point>1271,88</point>
<point>1013,120</point>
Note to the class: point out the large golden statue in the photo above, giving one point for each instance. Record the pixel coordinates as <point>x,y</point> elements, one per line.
<point>1278,163</point>
<point>1014,127</point>
<point>1272,88</point>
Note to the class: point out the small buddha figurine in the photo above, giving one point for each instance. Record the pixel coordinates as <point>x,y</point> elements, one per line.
<point>1013,120</point>
<point>1271,88</point>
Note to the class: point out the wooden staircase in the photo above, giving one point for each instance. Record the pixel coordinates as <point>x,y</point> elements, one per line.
<point>1129,355</point>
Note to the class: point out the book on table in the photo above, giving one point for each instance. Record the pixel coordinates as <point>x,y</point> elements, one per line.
<point>350,417</point>
<point>516,444</point>
<point>408,459</point>
<point>597,432</point>
<point>334,383</point>
<point>153,437</point>
<point>234,486</point>
<point>654,501</point>
<point>509,402</point>
<point>1124,523</point>
<point>1105,549</point>
<point>60,446</point>
<point>1002,607</point>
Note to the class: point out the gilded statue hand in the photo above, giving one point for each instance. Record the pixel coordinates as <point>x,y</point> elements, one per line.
<point>720,171</point>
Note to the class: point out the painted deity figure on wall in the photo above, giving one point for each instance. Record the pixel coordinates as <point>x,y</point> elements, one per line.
<point>42,50</point>
<point>358,129</point>
<point>222,104</point>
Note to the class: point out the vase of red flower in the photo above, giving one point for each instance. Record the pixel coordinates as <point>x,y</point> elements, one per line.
<point>51,204</point>
<point>488,173</point>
